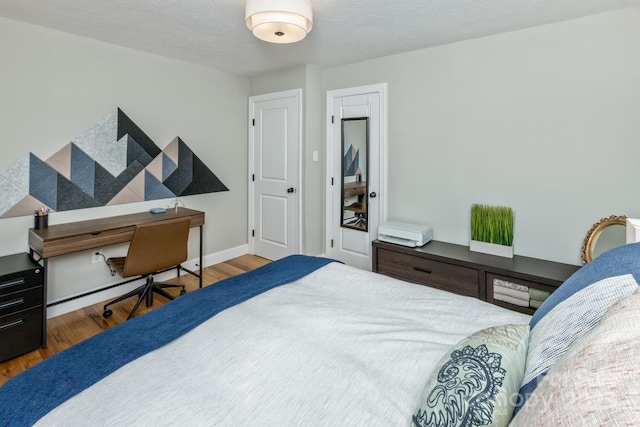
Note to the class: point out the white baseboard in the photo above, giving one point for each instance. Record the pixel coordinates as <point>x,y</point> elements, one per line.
<point>108,294</point>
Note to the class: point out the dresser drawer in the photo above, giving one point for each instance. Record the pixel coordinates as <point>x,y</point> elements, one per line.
<point>18,301</point>
<point>21,280</point>
<point>437,274</point>
<point>20,333</point>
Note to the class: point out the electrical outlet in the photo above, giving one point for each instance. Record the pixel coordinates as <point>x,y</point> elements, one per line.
<point>96,256</point>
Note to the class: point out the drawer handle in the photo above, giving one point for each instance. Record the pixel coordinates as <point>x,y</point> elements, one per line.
<point>12,324</point>
<point>11,303</point>
<point>424,270</point>
<point>10,283</point>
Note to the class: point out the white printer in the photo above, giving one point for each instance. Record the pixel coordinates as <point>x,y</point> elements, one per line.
<point>404,233</point>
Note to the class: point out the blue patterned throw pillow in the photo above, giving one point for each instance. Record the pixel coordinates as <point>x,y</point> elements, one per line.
<point>476,383</point>
<point>575,308</point>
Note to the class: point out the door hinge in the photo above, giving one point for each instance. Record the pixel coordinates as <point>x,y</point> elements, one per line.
<point>253,122</point>
<point>253,233</point>
<point>253,177</point>
<point>331,242</point>
<point>331,119</point>
<point>331,180</point>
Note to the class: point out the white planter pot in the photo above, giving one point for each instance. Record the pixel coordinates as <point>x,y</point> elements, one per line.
<point>491,248</point>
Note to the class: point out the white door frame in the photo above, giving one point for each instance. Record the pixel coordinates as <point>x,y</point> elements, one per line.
<point>297,93</point>
<point>381,89</point>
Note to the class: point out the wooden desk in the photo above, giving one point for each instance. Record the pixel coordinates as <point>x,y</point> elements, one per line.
<point>357,188</point>
<point>63,239</point>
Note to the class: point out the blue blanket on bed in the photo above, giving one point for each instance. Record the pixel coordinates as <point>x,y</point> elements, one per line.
<point>32,394</point>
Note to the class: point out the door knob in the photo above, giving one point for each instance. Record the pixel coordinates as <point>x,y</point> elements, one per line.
<point>290,190</point>
<point>373,194</point>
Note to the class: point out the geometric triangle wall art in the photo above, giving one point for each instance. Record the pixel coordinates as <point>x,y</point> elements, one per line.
<point>351,161</point>
<point>112,162</point>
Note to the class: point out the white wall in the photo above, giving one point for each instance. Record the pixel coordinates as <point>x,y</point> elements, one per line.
<point>54,85</point>
<point>544,120</point>
<point>314,170</point>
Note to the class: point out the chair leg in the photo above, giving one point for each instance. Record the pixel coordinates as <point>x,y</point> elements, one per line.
<point>158,287</point>
<point>164,285</point>
<point>144,293</point>
<point>135,307</point>
<point>141,292</point>
<point>147,295</point>
<point>162,292</point>
<point>137,291</point>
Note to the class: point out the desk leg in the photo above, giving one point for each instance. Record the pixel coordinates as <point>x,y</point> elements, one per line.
<point>200,256</point>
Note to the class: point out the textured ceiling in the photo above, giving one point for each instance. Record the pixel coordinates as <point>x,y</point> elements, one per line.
<point>212,32</point>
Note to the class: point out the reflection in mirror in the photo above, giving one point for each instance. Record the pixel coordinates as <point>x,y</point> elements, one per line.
<point>608,233</point>
<point>355,142</point>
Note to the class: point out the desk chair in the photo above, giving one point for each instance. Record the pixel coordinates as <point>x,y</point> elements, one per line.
<point>155,247</point>
<point>359,208</point>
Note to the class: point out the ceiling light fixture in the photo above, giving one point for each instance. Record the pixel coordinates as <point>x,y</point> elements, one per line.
<point>279,21</point>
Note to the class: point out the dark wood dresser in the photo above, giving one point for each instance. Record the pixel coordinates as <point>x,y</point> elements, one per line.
<point>455,268</point>
<point>21,305</point>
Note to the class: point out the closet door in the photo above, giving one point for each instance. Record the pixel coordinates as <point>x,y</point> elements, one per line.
<point>274,164</point>
<point>356,172</point>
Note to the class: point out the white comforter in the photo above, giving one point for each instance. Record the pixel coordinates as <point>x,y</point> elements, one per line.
<point>339,347</point>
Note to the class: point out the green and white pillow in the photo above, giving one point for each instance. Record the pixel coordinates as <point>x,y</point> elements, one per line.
<point>477,382</point>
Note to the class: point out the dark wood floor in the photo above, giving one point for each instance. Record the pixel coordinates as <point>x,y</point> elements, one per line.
<point>71,328</point>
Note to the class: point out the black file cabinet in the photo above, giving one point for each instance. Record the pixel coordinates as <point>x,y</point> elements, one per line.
<point>21,305</point>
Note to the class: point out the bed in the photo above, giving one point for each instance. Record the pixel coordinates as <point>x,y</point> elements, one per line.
<point>310,341</point>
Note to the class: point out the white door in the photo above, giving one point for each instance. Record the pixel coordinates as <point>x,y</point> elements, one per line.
<point>356,172</point>
<point>274,174</point>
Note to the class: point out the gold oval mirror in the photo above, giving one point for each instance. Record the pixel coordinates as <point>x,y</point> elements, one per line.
<point>605,234</point>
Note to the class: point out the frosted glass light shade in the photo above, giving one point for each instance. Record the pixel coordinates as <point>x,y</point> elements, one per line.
<point>633,230</point>
<point>279,21</point>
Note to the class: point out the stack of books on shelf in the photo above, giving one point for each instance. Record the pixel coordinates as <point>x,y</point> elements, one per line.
<point>537,297</point>
<point>511,292</point>
<point>516,294</point>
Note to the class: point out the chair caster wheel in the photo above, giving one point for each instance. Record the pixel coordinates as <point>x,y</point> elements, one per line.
<point>107,314</point>
<point>182,292</point>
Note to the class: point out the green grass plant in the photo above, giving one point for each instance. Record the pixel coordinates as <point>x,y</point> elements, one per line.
<point>492,224</point>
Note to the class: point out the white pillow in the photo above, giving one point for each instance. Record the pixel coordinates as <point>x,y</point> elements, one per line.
<point>597,381</point>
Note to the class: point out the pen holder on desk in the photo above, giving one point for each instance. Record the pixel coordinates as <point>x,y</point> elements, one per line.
<point>41,221</point>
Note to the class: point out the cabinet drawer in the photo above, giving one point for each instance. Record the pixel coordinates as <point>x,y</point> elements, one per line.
<point>18,301</point>
<point>437,274</point>
<point>21,280</point>
<point>20,333</point>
